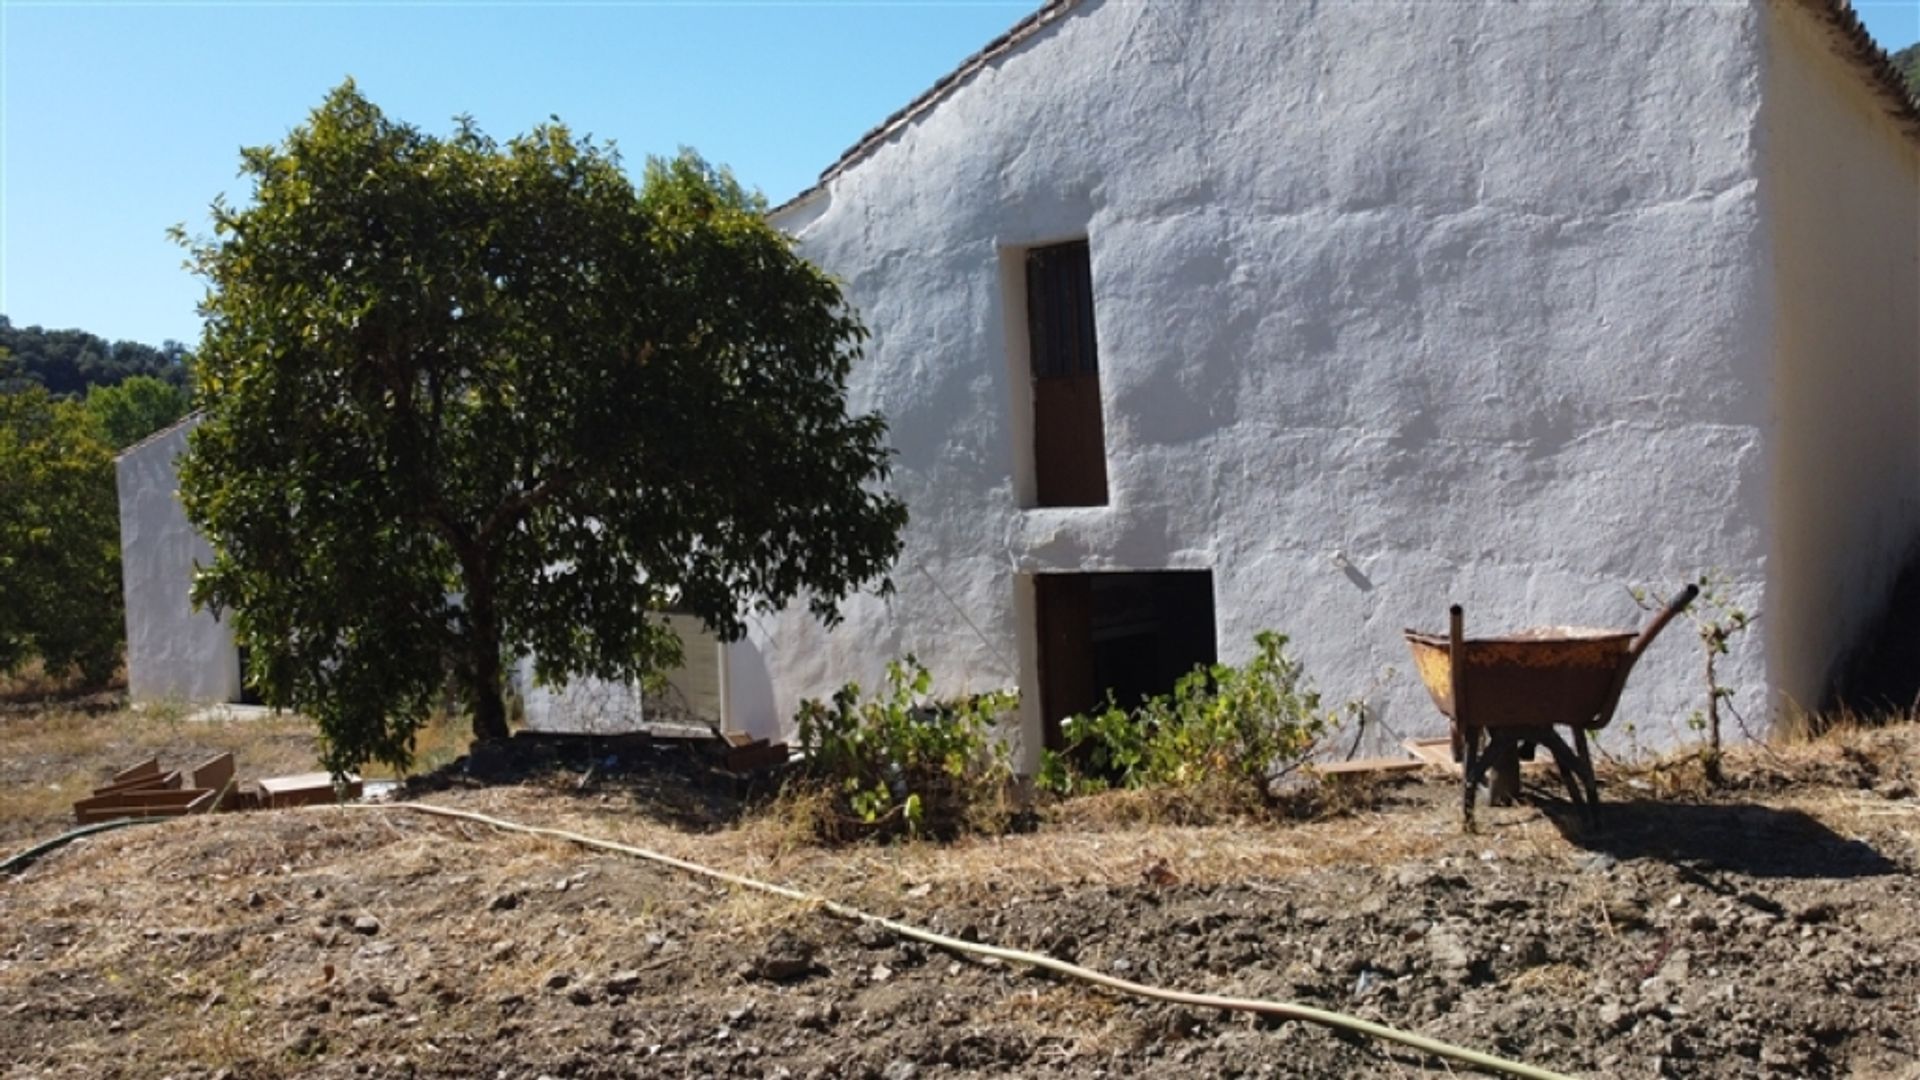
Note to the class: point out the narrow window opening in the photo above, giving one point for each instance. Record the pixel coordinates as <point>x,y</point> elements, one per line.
<point>1069,438</point>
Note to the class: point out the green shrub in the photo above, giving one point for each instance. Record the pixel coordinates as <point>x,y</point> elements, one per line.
<point>1239,727</point>
<point>902,761</point>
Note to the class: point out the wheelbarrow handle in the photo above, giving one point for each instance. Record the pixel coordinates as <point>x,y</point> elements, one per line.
<point>1672,611</point>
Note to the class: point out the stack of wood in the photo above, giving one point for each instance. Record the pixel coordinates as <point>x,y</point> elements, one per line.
<point>147,790</point>
<point>745,754</point>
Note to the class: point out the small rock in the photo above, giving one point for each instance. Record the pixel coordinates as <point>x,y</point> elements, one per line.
<point>380,995</point>
<point>1817,912</point>
<point>785,957</point>
<point>1598,862</point>
<point>503,950</point>
<point>881,973</point>
<point>900,1069</point>
<point>558,980</point>
<point>821,1018</point>
<point>740,1015</point>
<point>255,900</point>
<point>622,983</point>
<point>366,924</point>
<point>580,995</point>
<point>1449,953</point>
<point>504,902</point>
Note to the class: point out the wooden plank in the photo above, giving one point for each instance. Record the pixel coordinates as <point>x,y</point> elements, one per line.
<point>161,797</point>
<point>143,783</point>
<point>1365,766</point>
<point>1437,752</point>
<point>114,813</point>
<point>213,774</point>
<point>305,789</point>
<point>149,767</point>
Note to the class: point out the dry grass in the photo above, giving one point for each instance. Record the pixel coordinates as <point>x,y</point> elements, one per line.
<point>33,685</point>
<point>57,755</point>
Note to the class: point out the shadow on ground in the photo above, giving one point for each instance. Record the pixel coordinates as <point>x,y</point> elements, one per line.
<point>1744,838</point>
<point>674,782</point>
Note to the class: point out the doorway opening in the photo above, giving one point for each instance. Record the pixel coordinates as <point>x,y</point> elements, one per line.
<point>1131,633</point>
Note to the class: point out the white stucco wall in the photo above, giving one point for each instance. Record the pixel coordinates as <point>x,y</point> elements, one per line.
<point>1468,293</point>
<point>173,652</point>
<point>1842,187</point>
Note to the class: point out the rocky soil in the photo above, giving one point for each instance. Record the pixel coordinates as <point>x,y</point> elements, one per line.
<point>1772,929</point>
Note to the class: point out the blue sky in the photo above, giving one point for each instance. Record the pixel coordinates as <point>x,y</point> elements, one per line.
<point>118,119</point>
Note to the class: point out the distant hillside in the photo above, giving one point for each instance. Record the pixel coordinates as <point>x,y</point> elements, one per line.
<point>1908,61</point>
<point>67,362</point>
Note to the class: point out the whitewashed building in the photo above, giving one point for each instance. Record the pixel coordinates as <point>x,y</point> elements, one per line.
<point>174,653</point>
<point>1194,318</point>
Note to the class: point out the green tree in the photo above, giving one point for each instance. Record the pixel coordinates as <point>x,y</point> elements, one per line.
<point>134,409</point>
<point>467,402</point>
<point>59,539</point>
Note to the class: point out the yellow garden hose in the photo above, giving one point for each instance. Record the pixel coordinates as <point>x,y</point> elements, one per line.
<point>1280,1009</point>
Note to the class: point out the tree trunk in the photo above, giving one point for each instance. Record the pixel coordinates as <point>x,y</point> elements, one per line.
<point>483,673</point>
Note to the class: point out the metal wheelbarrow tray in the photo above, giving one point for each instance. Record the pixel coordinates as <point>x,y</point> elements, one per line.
<point>1514,691</point>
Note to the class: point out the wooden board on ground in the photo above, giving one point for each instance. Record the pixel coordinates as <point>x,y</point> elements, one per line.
<point>162,802</point>
<point>1437,752</point>
<point>213,774</point>
<point>142,783</point>
<point>149,767</point>
<point>1367,767</point>
<point>758,754</point>
<point>305,789</point>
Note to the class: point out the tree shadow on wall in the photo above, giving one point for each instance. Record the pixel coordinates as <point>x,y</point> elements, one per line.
<point>1742,838</point>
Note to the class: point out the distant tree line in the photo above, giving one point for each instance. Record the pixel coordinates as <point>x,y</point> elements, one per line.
<point>68,362</point>
<point>1908,61</point>
<point>69,401</point>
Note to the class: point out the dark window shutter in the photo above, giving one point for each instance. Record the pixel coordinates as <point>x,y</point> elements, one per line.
<point>1069,446</point>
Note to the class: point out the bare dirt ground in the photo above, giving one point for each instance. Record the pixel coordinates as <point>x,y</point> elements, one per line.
<point>1768,929</point>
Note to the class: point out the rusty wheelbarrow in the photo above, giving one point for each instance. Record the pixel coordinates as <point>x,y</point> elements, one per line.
<point>1514,691</point>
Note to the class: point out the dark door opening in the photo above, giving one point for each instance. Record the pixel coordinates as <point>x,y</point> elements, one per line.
<point>1131,634</point>
<point>249,693</point>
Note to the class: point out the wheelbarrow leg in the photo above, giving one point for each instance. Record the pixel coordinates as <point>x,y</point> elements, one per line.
<point>1469,771</point>
<point>1568,765</point>
<point>1585,758</point>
